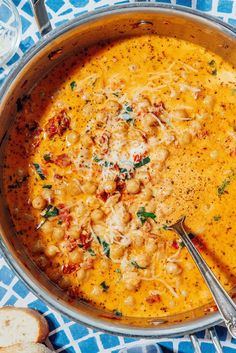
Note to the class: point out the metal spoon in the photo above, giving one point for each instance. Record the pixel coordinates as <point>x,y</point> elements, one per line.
<point>224,302</point>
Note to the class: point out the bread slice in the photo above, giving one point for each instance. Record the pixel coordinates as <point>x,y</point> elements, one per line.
<point>26,348</point>
<point>20,325</point>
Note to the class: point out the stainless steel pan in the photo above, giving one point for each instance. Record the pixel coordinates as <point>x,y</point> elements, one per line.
<point>56,45</point>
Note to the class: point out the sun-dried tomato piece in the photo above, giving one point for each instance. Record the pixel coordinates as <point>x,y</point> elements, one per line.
<point>58,124</point>
<point>153,299</point>
<point>69,268</point>
<point>85,239</point>
<point>63,160</point>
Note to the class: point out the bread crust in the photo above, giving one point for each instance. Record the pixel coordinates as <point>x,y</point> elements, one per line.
<point>43,329</point>
<point>26,348</point>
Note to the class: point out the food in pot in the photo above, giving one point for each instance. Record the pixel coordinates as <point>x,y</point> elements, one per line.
<point>109,148</point>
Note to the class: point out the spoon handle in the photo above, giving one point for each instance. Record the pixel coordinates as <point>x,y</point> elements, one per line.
<point>224,302</point>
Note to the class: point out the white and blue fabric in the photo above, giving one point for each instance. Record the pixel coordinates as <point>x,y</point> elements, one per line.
<point>66,336</point>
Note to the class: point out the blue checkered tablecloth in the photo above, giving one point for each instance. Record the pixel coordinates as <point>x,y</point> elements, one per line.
<point>66,336</point>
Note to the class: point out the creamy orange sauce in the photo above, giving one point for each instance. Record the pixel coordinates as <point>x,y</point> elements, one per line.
<point>110,147</point>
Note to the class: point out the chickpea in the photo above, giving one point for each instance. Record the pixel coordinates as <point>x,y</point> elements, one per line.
<point>87,109</point>
<point>39,203</point>
<point>75,187</point>
<point>180,114</point>
<point>81,273</point>
<point>89,188</point>
<point>133,186</point>
<point>110,186</point>
<point>209,101</point>
<point>42,262</point>
<point>38,247</point>
<point>143,260</point>
<point>162,154</point>
<point>126,217</point>
<point>76,256</point>
<point>74,232</point>
<point>147,194</point>
<point>131,280</point>
<point>72,137</point>
<point>151,206</point>
<point>58,233</point>
<point>47,195</point>
<point>97,215</point>
<point>47,227</point>
<point>137,237</point>
<point>93,202</point>
<point>166,210</point>
<point>143,177</point>
<point>104,265</point>
<point>172,268</point>
<point>113,107</point>
<point>129,301</point>
<point>116,251</point>
<point>214,154</point>
<point>86,141</point>
<point>96,291</point>
<point>60,193</point>
<point>150,246</point>
<point>51,250</point>
<point>185,138</point>
<point>150,119</point>
<point>65,282</point>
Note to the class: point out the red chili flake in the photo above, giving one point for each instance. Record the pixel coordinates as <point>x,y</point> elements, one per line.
<point>57,176</point>
<point>64,215</point>
<point>175,244</point>
<point>69,268</point>
<point>63,160</point>
<point>58,124</point>
<point>153,299</point>
<point>159,109</point>
<point>85,239</point>
<point>103,195</point>
<point>71,245</point>
<point>213,308</point>
<point>203,134</point>
<point>137,158</point>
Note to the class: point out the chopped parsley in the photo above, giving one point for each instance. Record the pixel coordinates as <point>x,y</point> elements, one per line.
<point>91,251</point>
<point>143,215</point>
<point>136,265</point>
<point>47,157</point>
<point>104,286</point>
<point>222,188</point>
<point>39,171</point>
<point>73,85</point>
<point>140,164</point>
<point>127,109</point>
<point>216,218</point>
<point>212,64</point>
<point>105,246</point>
<point>117,312</point>
<point>47,186</point>
<point>165,226</point>
<point>118,270</point>
<point>50,211</point>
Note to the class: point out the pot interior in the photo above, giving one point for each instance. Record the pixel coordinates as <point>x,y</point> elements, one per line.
<point>131,20</point>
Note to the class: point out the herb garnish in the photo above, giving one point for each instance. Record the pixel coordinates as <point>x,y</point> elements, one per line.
<point>165,226</point>
<point>50,211</point>
<point>118,270</point>
<point>212,63</point>
<point>117,312</point>
<point>73,85</point>
<point>217,218</point>
<point>104,286</point>
<point>92,253</point>
<point>47,157</point>
<point>105,245</point>
<point>39,170</point>
<point>136,265</point>
<point>126,113</point>
<point>221,189</point>
<point>144,161</point>
<point>143,215</point>
<point>47,186</point>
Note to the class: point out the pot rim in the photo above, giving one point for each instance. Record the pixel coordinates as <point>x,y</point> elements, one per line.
<point>174,330</point>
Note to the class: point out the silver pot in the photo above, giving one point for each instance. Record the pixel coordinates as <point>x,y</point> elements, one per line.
<point>56,45</point>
